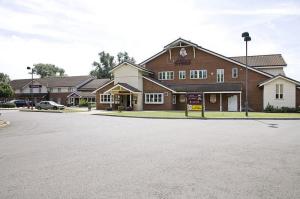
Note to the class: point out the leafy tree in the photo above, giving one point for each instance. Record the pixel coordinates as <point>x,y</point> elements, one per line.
<point>4,78</point>
<point>46,70</point>
<point>123,56</point>
<point>5,90</point>
<point>107,62</point>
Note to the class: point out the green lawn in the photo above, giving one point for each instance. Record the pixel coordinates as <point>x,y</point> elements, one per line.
<point>194,114</point>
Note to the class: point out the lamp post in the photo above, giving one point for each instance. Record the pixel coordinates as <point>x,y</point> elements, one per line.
<point>247,38</point>
<point>31,86</point>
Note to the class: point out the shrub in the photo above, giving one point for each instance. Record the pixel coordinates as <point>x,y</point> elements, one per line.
<point>271,109</point>
<point>83,103</point>
<point>7,105</point>
<point>121,108</point>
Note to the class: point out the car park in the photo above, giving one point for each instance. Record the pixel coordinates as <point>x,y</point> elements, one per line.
<point>49,105</point>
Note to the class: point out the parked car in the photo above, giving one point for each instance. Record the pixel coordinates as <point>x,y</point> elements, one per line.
<point>20,103</point>
<point>49,105</point>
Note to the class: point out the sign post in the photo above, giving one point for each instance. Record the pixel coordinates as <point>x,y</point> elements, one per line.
<point>194,102</point>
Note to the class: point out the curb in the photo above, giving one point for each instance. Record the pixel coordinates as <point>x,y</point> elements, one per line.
<point>198,118</point>
<point>41,111</point>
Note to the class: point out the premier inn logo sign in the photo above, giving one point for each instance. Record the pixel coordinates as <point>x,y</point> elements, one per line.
<point>182,60</point>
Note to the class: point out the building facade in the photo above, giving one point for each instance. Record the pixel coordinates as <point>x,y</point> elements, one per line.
<point>182,67</point>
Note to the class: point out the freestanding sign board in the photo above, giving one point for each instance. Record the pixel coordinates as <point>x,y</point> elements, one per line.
<point>194,102</point>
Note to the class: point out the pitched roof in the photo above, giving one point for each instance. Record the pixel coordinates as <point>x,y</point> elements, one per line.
<point>204,50</point>
<point>127,86</point>
<point>262,60</point>
<point>276,77</point>
<point>93,84</point>
<point>81,94</point>
<point>206,87</point>
<point>139,67</point>
<point>65,81</point>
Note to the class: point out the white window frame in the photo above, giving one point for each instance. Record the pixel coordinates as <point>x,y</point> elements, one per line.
<point>166,75</point>
<point>59,90</point>
<point>173,99</point>
<point>150,98</point>
<point>279,91</point>
<point>220,72</point>
<point>198,74</point>
<point>182,74</point>
<point>235,73</point>
<point>106,98</point>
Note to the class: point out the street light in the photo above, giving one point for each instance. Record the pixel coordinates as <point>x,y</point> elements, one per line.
<point>31,86</point>
<point>247,38</point>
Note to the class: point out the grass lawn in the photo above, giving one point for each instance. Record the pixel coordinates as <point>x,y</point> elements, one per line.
<point>194,114</point>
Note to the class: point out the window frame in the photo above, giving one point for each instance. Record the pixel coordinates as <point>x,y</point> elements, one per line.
<point>103,101</point>
<point>173,99</point>
<point>223,75</point>
<point>232,73</point>
<point>279,91</point>
<point>149,98</point>
<point>180,74</point>
<point>166,75</point>
<point>195,74</point>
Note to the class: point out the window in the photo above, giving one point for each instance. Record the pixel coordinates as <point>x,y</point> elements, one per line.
<point>166,75</point>
<point>198,74</point>
<point>235,72</point>
<point>182,74</point>
<point>70,89</point>
<point>106,98</point>
<point>279,91</point>
<point>40,89</point>
<point>174,99</point>
<point>50,90</point>
<point>58,90</point>
<point>220,75</point>
<point>154,98</point>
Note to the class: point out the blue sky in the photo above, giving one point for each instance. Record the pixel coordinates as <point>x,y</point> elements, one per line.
<point>69,33</point>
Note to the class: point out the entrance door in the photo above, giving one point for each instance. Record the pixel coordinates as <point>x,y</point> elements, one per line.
<point>232,103</point>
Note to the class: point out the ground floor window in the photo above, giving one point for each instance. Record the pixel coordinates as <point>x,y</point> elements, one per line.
<point>174,99</point>
<point>154,98</point>
<point>106,98</point>
<point>279,91</point>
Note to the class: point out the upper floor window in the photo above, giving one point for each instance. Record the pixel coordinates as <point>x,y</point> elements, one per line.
<point>40,89</point>
<point>198,74</point>
<point>235,72</point>
<point>58,90</point>
<point>70,89</point>
<point>154,98</point>
<point>106,98</point>
<point>182,74</point>
<point>166,75</point>
<point>220,75</point>
<point>279,91</point>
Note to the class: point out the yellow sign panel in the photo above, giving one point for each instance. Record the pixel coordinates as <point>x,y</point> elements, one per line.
<point>195,107</point>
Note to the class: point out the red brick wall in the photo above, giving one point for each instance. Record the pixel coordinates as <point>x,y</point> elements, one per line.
<point>211,63</point>
<point>150,87</point>
<point>100,106</point>
<point>62,96</point>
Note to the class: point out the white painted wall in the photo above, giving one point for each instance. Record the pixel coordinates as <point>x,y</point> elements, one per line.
<point>133,77</point>
<point>62,90</point>
<point>273,71</point>
<point>26,89</point>
<point>130,75</point>
<point>289,94</point>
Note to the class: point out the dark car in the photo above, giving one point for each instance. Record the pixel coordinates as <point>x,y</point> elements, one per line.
<point>20,103</point>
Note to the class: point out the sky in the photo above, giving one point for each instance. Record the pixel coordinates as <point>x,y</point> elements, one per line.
<point>71,33</point>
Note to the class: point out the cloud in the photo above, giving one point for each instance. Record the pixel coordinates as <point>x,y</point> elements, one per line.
<point>71,33</point>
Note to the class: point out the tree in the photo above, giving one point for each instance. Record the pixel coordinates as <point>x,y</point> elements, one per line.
<point>123,56</point>
<point>4,78</point>
<point>46,70</point>
<point>107,62</point>
<point>5,90</point>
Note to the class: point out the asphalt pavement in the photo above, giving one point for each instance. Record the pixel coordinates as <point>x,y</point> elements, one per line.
<point>73,155</point>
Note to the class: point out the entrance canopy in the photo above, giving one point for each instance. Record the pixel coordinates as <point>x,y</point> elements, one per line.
<point>122,88</point>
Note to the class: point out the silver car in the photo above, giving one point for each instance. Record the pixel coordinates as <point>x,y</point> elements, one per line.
<point>49,105</point>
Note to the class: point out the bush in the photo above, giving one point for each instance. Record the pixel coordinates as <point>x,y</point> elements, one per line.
<point>8,105</point>
<point>271,109</point>
<point>83,103</point>
<point>121,108</point>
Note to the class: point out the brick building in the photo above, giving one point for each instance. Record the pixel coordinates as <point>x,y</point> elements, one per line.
<point>182,67</point>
